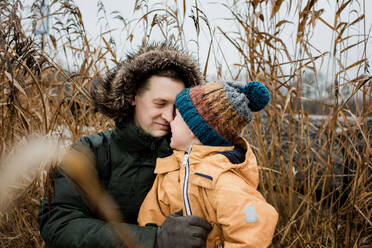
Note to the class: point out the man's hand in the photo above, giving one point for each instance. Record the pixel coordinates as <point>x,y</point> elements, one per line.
<point>183,231</point>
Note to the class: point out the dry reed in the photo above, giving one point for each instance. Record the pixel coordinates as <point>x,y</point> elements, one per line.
<point>315,169</point>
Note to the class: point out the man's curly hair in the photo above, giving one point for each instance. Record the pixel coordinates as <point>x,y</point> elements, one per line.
<point>113,95</point>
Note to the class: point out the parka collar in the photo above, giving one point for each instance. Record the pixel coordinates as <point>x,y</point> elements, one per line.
<point>207,163</point>
<point>134,139</point>
<point>198,153</point>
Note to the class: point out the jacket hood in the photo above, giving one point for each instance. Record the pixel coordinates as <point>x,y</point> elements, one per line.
<point>112,96</point>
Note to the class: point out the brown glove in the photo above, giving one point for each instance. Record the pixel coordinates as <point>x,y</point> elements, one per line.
<point>183,231</point>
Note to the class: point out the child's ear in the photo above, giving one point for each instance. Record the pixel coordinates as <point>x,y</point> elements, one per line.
<point>196,140</point>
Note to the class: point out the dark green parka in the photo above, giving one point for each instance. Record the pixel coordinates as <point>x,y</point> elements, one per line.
<point>125,159</point>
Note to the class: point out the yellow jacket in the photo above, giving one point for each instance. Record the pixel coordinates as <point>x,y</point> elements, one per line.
<point>223,193</point>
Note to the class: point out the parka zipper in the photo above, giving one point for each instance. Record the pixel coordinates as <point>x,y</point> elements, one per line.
<point>186,182</point>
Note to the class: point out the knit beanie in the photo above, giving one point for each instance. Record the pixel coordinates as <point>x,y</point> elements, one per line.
<point>217,112</point>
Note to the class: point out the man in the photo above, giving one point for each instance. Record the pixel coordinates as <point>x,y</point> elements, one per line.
<point>139,95</point>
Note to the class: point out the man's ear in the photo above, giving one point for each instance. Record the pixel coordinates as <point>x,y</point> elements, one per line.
<point>133,101</point>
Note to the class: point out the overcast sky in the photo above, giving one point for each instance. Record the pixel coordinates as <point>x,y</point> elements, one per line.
<point>216,13</point>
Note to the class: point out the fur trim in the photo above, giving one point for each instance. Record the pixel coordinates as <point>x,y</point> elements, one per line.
<point>113,95</point>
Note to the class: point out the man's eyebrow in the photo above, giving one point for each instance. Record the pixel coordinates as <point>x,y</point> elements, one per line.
<point>159,99</point>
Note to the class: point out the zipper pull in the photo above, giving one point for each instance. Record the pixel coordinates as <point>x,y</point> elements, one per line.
<point>186,157</point>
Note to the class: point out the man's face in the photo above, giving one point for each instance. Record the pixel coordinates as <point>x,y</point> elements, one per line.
<point>154,107</point>
<point>182,137</point>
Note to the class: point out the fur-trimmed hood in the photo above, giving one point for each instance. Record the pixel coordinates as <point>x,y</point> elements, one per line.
<point>113,95</point>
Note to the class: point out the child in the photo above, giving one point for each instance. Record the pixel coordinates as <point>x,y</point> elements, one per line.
<point>212,173</point>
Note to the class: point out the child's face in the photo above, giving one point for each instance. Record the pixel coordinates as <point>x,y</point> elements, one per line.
<point>182,137</point>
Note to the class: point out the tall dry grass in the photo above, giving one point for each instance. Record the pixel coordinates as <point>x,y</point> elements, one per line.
<point>315,171</point>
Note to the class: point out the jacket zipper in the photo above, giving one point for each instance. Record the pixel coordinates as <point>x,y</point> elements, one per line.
<point>186,182</point>
<point>186,201</point>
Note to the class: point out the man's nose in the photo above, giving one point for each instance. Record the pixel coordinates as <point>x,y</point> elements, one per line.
<point>168,113</point>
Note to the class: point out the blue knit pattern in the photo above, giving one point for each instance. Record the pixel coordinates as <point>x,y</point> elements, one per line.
<point>196,123</point>
<point>258,95</point>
